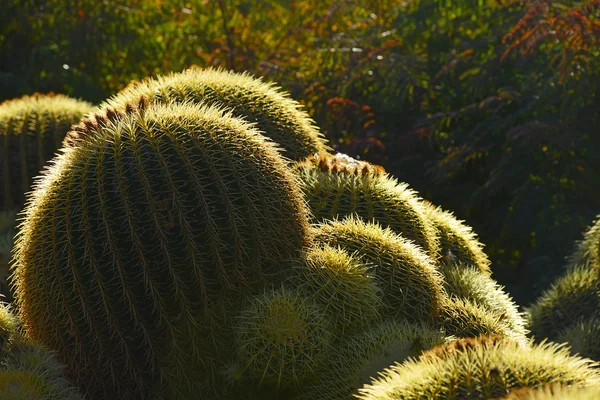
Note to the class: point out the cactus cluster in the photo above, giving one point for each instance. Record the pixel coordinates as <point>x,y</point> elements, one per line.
<point>167,252</point>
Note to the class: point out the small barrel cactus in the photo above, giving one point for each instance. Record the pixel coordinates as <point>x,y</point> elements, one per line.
<point>276,115</point>
<point>572,298</point>
<point>282,337</point>
<point>587,252</point>
<point>358,358</point>
<point>469,283</point>
<point>484,369</point>
<point>412,286</point>
<point>457,242</point>
<point>9,328</point>
<point>337,188</point>
<point>32,129</point>
<point>345,287</point>
<point>583,338</point>
<point>132,235</point>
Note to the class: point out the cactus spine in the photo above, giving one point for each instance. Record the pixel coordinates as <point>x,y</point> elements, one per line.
<point>136,231</point>
<point>587,252</point>
<point>276,115</point>
<point>31,131</point>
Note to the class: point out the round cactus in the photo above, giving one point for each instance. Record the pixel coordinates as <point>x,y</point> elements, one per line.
<point>482,370</point>
<point>572,298</point>
<point>458,243</point>
<point>583,338</point>
<point>587,253</point>
<point>360,357</point>
<point>469,283</point>
<point>9,328</point>
<point>133,234</point>
<point>344,287</point>
<point>276,115</point>
<point>32,129</point>
<point>554,392</point>
<point>337,188</point>
<point>412,286</point>
<point>282,337</point>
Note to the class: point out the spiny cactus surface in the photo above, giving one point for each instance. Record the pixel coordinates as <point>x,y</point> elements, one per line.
<point>358,358</point>
<point>137,231</point>
<point>488,369</point>
<point>277,116</point>
<point>554,392</point>
<point>587,253</point>
<point>583,338</point>
<point>344,286</point>
<point>336,189</point>
<point>412,286</point>
<point>32,129</point>
<point>457,242</point>
<point>282,337</point>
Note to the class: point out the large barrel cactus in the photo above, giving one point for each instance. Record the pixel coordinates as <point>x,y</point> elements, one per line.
<point>276,115</point>
<point>32,129</point>
<point>339,187</point>
<point>138,230</point>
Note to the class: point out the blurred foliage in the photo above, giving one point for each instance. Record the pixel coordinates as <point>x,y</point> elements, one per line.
<point>487,107</point>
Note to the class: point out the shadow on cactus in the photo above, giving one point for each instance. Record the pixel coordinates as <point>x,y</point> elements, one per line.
<point>32,129</point>
<point>276,115</point>
<point>136,231</point>
<point>336,187</point>
<point>412,286</point>
<point>583,338</point>
<point>484,369</point>
<point>358,358</point>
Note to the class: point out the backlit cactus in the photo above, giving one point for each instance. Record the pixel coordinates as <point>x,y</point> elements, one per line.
<point>282,337</point>
<point>486,370</point>
<point>358,358</point>
<point>276,115</point>
<point>583,338</point>
<point>345,287</point>
<point>457,242</point>
<point>587,252</point>
<point>554,392</point>
<point>336,188</point>
<point>32,129</point>
<point>412,286</point>
<point>133,234</point>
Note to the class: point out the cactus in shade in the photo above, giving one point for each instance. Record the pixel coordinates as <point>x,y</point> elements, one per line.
<point>583,338</point>
<point>7,232</point>
<point>554,392</point>
<point>572,298</point>
<point>345,288</point>
<point>9,328</point>
<point>32,129</point>
<point>282,337</point>
<point>412,286</point>
<point>276,115</point>
<point>358,358</point>
<point>133,234</point>
<point>336,188</point>
<point>463,318</point>
<point>469,283</point>
<point>457,242</point>
<point>587,252</point>
<point>484,369</point>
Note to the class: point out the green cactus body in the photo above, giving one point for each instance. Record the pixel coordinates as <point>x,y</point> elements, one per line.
<point>412,286</point>
<point>572,298</point>
<point>554,392</point>
<point>9,326</point>
<point>277,116</point>
<point>338,189</point>
<point>481,370</point>
<point>32,129</point>
<point>583,338</point>
<point>463,318</point>
<point>587,253</point>
<point>358,358</point>
<point>469,283</point>
<point>133,234</point>
<point>344,287</point>
<point>457,242</point>
<point>282,337</point>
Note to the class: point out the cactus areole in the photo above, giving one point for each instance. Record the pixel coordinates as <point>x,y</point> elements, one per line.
<point>132,234</point>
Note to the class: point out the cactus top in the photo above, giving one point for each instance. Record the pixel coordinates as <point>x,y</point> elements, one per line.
<point>133,233</point>
<point>587,252</point>
<point>277,116</point>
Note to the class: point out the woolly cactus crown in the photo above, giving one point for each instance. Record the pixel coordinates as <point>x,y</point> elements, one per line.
<point>162,212</point>
<point>481,370</point>
<point>277,116</point>
<point>31,131</point>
